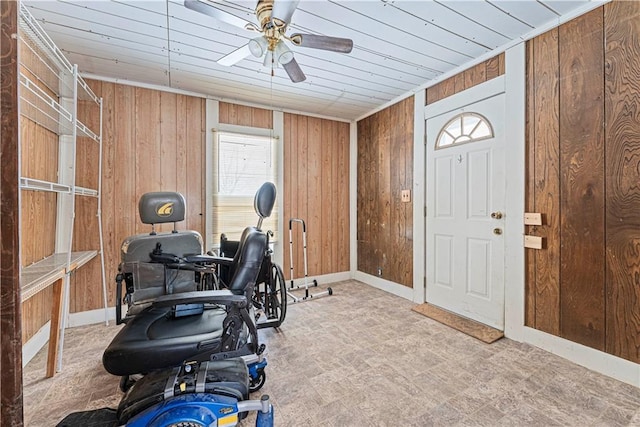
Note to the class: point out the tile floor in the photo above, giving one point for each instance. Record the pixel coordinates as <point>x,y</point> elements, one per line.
<point>362,358</point>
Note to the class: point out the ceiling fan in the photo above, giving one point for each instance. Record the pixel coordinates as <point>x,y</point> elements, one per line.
<point>274,17</point>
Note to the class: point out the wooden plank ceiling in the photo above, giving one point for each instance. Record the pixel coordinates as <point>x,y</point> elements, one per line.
<point>399,45</point>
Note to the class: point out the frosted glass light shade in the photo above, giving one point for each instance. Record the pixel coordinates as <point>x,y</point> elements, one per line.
<point>258,46</point>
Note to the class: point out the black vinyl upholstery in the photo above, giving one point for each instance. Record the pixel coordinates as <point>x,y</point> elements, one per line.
<point>263,203</point>
<point>155,339</point>
<point>265,199</point>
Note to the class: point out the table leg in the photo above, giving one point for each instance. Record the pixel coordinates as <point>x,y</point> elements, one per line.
<point>54,332</point>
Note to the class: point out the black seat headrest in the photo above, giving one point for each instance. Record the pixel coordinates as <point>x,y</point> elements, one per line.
<point>265,199</point>
<point>161,207</point>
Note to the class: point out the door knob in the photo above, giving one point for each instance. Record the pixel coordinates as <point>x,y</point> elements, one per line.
<point>497,231</point>
<point>496,215</point>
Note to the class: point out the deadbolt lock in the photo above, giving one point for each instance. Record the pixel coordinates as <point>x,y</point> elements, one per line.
<point>497,231</point>
<point>496,215</point>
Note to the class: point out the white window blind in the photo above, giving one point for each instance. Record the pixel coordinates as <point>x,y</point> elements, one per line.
<point>243,164</point>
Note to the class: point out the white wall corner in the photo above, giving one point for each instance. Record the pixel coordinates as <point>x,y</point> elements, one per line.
<point>211,123</point>
<point>91,317</point>
<point>35,343</point>
<point>278,134</point>
<point>419,194</point>
<point>385,285</point>
<point>515,90</point>
<point>596,360</point>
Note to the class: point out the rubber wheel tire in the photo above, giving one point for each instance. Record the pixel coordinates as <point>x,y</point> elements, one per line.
<point>255,385</point>
<point>281,290</point>
<point>275,296</point>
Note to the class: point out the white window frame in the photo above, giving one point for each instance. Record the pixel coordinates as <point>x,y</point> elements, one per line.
<point>250,133</point>
<point>456,138</point>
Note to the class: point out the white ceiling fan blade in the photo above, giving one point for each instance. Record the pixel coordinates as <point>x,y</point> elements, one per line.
<point>334,44</point>
<point>282,11</point>
<point>294,71</point>
<point>207,8</point>
<point>235,56</point>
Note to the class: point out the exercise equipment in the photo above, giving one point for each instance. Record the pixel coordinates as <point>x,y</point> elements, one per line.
<point>307,295</point>
<point>190,395</point>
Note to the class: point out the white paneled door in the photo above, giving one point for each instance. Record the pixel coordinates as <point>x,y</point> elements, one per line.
<point>465,211</point>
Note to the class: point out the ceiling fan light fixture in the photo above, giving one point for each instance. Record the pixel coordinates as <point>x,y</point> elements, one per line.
<point>283,54</point>
<point>268,60</point>
<point>258,46</point>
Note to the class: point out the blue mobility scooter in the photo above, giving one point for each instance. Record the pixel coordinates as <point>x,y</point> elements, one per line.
<point>188,355</point>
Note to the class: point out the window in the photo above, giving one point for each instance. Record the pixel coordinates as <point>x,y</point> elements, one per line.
<point>465,127</point>
<point>242,164</point>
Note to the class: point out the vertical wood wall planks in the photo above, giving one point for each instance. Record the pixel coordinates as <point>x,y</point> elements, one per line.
<point>342,173</point>
<point>587,273</point>
<point>581,129</point>
<point>547,180</point>
<point>316,185</point>
<point>11,399</point>
<point>622,88</point>
<point>242,115</point>
<point>479,73</point>
<point>385,168</point>
<point>313,194</point>
<point>530,138</point>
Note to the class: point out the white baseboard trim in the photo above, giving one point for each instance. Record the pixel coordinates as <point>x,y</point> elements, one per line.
<point>323,280</point>
<point>35,344</point>
<point>90,317</point>
<point>385,285</point>
<point>606,364</point>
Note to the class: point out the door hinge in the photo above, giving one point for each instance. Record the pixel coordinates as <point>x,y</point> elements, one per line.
<point>425,211</point>
<point>424,282</point>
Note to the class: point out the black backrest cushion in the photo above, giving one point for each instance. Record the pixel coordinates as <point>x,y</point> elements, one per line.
<point>250,256</point>
<point>264,200</point>
<point>161,207</point>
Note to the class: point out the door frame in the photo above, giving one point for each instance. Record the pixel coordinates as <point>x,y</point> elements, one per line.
<point>513,84</point>
<point>488,155</point>
<point>466,101</point>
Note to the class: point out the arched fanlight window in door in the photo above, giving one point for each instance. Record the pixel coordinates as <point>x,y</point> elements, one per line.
<point>463,128</point>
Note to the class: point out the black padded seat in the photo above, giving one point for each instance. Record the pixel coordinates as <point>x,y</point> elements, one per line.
<point>156,339</point>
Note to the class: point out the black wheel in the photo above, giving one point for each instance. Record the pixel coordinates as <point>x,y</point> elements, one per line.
<point>275,303</point>
<point>256,384</point>
<point>330,291</point>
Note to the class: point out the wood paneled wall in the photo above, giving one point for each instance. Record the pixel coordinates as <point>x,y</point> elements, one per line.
<point>316,186</point>
<point>316,189</point>
<point>473,76</point>
<point>242,115</point>
<point>11,398</point>
<point>38,209</point>
<point>583,150</point>
<point>152,141</point>
<point>385,168</point>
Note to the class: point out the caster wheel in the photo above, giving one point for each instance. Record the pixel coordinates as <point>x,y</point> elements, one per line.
<point>256,384</point>
<point>330,291</point>
<point>315,282</point>
<point>125,383</point>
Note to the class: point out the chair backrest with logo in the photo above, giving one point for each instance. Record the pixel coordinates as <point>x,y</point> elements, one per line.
<point>144,278</point>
